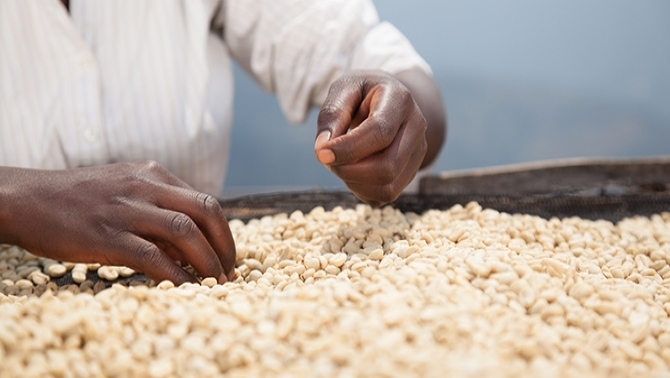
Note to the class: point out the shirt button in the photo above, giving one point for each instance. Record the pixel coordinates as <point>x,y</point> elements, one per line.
<point>90,135</point>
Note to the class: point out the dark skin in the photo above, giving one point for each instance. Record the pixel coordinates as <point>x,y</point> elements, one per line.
<point>134,214</point>
<point>374,132</point>
<point>141,216</point>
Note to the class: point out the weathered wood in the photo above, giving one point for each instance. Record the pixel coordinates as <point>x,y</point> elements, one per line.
<point>556,177</point>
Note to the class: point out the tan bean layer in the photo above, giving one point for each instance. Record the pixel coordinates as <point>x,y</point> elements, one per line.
<point>360,293</point>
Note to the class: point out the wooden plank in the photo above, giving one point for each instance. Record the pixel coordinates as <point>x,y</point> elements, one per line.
<point>556,177</point>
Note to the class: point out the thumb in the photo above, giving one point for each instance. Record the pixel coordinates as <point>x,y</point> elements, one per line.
<point>335,116</point>
<point>324,155</point>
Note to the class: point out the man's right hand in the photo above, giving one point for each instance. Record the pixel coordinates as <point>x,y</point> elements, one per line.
<point>136,214</point>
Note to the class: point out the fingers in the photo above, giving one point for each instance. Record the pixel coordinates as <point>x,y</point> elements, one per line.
<point>371,134</point>
<point>333,122</point>
<point>363,116</point>
<point>133,214</point>
<point>385,167</point>
<point>207,219</point>
<point>378,195</point>
<point>146,257</point>
<point>196,228</point>
<point>343,100</point>
<point>177,230</point>
<point>174,253</point>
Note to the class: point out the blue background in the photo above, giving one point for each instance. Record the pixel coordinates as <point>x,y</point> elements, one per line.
<point>522,81</point>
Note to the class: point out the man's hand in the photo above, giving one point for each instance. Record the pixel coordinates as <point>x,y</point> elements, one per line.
<point>372,134</point>
<point>136,215</point>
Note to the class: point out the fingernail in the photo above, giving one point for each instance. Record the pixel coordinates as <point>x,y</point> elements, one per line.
<point>321,139</point>
<point>326,155</point>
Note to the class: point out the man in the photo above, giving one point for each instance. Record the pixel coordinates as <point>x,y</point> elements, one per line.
<point>115,118</point>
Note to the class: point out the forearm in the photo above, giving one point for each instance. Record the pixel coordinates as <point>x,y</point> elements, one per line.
<point>10,192</point>
<point>427,96</point>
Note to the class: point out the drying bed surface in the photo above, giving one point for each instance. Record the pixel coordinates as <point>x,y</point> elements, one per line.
<point>362,292</point>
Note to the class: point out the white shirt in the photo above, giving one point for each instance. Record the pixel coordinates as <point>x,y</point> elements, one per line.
<point>133,80</point>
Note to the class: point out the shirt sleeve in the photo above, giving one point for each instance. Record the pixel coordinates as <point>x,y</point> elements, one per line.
<point>297,48</point>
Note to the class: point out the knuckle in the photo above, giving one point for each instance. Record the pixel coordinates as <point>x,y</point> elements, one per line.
<point>208,203</point>
<point>423,148</point>
<point>328,113</point>
<point>181,225</point>
<point>401,95</point>
<point>404,95</point>
<point>349,80</point>
<point>145,173</point>
<point>151,166</point>
<point>147,254</point>
<point>421,121</point>
<point>384,131</point>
